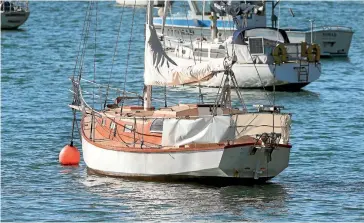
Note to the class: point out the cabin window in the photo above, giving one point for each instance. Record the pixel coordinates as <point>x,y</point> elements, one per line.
<point>112,125</point>
<point>266,33</point>
<point>157,125</point>
<point>128,128</point>
<point>256,45</point>
<point>103,122</point>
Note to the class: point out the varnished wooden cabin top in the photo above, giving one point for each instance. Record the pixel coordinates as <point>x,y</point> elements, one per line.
<point>134,135</point>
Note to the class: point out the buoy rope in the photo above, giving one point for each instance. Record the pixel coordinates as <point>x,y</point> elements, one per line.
<point>73,126</point>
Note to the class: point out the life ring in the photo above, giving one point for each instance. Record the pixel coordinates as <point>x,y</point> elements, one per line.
<point>280,54</point>
<point>313,53</point>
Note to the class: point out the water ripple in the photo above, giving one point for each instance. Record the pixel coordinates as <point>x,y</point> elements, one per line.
<point>323,182</point>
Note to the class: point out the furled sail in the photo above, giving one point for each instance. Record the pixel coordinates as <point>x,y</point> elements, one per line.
<point>163,71</point>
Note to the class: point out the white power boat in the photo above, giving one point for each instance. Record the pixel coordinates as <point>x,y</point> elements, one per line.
<point>13,14</point>
<point>334,41</point>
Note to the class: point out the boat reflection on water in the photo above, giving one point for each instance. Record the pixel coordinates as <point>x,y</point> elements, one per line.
<point>142,200</point>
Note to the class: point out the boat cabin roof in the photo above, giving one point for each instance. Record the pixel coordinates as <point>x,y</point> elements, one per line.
<point>180,110</point>
<point>265,32</point>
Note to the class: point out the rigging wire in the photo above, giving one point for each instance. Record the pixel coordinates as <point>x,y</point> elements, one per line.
<point>115,51</point>
<point>164,46</point>
<point>128,56</point>
<point>188,28</point>
<point>82,36</point>
<point>274,72</point>
<point>201,39</point>
<point>93,89</point>
<point>193,51</point>
<point>224,26</point>
<point>256,69</point>
<point>260,79</point>
<point>85,40</point>
<point>79,62</point>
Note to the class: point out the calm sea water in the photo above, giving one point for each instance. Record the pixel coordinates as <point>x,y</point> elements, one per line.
<point>324,181</point>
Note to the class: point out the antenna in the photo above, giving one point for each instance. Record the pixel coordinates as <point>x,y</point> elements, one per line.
<point>312,21</point>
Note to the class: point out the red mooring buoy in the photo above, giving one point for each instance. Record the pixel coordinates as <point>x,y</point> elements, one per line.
<point>69,155</point>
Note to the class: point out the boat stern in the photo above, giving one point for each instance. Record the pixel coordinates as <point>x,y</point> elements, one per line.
<point>254,162</point>
<point>12,20</point>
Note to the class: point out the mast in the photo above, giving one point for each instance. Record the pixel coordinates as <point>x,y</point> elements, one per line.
<point>147,92</point>
<point>274,17</point>
<point>312,21</point>
<point>213,26</point>
<point>165,12</point>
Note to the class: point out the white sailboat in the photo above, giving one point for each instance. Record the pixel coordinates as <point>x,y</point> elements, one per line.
<point>265,56</point>
<point>199,142</point>
<point>334,40</point>
<point>13,13</point>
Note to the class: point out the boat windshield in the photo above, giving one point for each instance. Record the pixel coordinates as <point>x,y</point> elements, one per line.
<point>270,34</point>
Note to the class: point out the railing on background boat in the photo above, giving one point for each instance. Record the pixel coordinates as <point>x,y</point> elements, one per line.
<point>318,28</point>
<point>14,6</point>
<point>293,52</point>
<point>334,28</point>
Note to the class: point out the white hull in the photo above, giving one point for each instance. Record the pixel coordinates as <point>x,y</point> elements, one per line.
<point>12,20</point>
<point>235,162</point>
<point>333,42</point>
<point>285,75</point>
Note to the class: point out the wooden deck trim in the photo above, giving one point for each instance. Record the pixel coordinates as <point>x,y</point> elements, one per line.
<point>161,150</point>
